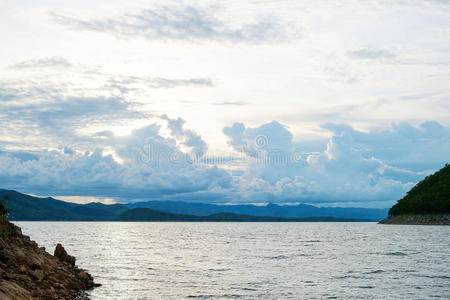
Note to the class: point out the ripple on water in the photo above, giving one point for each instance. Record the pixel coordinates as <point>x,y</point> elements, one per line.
<point>256,260</point>
<point>397,253</point>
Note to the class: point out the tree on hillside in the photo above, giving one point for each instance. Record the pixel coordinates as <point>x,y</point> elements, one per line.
<point>429,196</point>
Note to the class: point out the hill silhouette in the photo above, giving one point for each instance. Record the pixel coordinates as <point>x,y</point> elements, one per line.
<point>429,196</point>
<point>24,207</point>
<point>151,215</point>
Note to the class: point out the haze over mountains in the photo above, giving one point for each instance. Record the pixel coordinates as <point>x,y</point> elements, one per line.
<point>29,208</point>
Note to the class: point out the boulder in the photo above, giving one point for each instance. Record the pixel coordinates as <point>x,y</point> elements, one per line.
<point>29,272</point>
<point>62,255</point>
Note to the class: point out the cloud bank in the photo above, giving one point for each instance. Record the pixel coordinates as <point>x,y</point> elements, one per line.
<point>356,166</point>
<point>151,167</point>
<point>380,165</point>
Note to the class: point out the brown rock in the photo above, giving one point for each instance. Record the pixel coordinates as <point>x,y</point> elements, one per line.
<point>62,255</point>
<point>13,291</point>
<point>28,272</point>
<point>38,274</point>
<point>22,269</point>
<point>83,276</point>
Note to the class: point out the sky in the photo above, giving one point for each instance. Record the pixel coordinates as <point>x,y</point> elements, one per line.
<point>335,103</point>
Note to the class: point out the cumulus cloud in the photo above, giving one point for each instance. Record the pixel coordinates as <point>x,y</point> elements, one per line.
<point>158,172</point>
<point>179,22</point>
<point>379,165</point>
<point>402,145</point>
<point>187,137</point>
<point>251,141</point>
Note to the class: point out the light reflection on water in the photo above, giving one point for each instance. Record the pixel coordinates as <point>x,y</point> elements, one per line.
<point>255,260</point>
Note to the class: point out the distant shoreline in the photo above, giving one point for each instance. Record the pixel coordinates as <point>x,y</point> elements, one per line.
<point>426,219</point>
<point>115,221</point>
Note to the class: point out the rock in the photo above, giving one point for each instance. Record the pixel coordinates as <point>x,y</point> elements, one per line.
<point>20,256</point>
<point>83,276</point>
<point>4,255</point>
<point>29,272</point>
<point>62,255</point>
<point>13,291</point>
<point>23,269</point>
<point>38,274</point>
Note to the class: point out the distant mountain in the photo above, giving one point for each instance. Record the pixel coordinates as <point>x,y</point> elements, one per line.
<point>428,202</point>
<point>273,210</point>
<point>28,208</point>
<point>151,215</point>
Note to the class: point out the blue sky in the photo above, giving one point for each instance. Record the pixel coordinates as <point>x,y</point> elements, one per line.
<point>331,103</point>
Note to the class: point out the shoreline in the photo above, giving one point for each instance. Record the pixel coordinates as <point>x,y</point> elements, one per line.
<point>426,219</point>
<point>28,271</point>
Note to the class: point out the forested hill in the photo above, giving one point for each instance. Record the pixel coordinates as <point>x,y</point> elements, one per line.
<point>429,196</point>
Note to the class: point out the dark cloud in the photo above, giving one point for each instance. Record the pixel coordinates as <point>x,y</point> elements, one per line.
<point>179,23</point>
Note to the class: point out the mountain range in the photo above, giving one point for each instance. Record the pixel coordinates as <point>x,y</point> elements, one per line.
<point>24,207</point>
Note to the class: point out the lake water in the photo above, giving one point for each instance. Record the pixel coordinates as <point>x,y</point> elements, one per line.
<point>255,260</point>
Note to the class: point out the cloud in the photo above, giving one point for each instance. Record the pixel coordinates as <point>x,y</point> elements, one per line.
<point>379,165</point>
<point>47,62</point>
<point>45,107</point>
<point>43,114</point>
<point>402,145</point>
<point>179,22</point>
<point>231,103</point>
<point>187,137</point>
<point>371,53</point>
<point>126,83</point>
<point>251,141</point>
<point>149,169</point>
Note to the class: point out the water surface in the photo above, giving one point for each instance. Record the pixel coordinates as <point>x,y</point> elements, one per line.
<point>255,260</point>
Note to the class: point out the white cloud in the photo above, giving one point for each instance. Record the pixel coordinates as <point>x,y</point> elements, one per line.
<point>180,22</point>
<point>152,167</point>
<point>54,61</point>
<point>370,53</point>
<point>380,165</point>
<point>376,166</point>
<point>187,137</point>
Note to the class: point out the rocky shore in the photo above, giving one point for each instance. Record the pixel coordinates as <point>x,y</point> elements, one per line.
<point>430,219</point>
<point>29,272</point>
